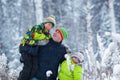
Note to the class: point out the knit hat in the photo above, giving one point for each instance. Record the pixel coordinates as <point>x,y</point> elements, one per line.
<point>50,19</point>
<point>79,56</point>
<point>63,33</point>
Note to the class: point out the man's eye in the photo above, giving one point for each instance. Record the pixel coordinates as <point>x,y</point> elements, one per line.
<point>58,32</point>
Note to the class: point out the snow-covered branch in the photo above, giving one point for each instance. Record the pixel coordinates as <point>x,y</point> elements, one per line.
<point>3,67</point>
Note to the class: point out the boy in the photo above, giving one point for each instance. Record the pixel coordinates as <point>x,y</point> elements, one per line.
<point>36,36</point>
<point>71,68</point>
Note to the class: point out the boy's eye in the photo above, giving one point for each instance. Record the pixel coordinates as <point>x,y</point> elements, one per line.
<point>49,24</point>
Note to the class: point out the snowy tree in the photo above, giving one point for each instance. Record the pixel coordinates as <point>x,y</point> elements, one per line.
<point>117,15</point>
<point>38,11</point>
<point>3,67</point>
<point>116,72</point>
<point>1,21</point>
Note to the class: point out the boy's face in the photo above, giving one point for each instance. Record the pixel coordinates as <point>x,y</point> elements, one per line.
<point>48,26</point>
<point>75,60</point>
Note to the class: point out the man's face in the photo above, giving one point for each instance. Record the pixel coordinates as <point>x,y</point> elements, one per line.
<point>57,37</point>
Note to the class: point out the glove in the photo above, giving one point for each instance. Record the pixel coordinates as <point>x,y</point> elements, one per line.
<point>48,73</point>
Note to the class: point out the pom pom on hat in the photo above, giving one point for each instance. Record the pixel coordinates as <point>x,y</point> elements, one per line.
<point>50,19</point>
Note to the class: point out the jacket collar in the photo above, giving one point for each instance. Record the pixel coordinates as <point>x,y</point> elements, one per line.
<point>54,42</point>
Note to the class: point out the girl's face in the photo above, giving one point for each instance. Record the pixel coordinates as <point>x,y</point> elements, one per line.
<point>48,26</point>
<point>75,60</point>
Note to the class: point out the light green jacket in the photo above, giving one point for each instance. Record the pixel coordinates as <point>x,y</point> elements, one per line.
<point>35,34</point>
<point>66,74</point>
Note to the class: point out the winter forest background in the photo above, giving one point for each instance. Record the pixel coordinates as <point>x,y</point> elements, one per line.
<point>93,26</point>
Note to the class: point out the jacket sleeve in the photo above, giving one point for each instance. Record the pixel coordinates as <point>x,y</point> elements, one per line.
<point>77,73</point>
<point>36,32</point>
<point>39,36</point>
<point>33,51</point>
<point>63,52</point>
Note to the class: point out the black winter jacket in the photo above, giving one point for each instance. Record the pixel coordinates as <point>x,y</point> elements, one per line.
<point>50,56</point>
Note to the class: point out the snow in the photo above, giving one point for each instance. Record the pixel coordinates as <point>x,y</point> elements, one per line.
<point>112,16</point>
<point>116,37</point>
<point>4,1</point>
<point>3,66</point>
<point>116,72</point>
<point>39,12</point>
<point>107,33</point>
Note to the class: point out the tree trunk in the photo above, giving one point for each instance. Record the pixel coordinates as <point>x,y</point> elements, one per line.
<point>38,11</point>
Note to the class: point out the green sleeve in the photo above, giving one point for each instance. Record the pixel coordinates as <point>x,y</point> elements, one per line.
<point>36,33</point>
<point>77,73</point>
<point>38,36</point>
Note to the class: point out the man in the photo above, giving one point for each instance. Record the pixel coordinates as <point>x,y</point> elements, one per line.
<point>51,55</point>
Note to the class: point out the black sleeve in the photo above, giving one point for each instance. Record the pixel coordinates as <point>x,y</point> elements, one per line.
<point>33,50</point>
<point>63,54</point>
<point>28,49</point>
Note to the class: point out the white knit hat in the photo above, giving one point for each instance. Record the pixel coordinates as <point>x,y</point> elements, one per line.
<point>79,56</point>
<point>50,19</point>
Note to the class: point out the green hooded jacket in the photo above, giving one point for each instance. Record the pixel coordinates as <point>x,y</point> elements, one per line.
<point>66,74</point>
<point>35,34</point>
